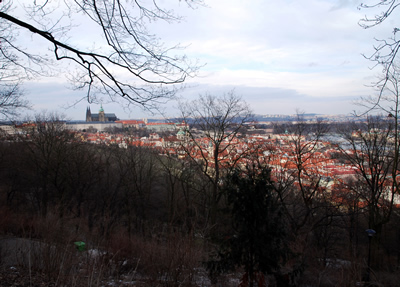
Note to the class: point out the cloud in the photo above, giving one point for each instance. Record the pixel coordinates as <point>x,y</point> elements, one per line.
<point>281,55</point>
<point>276,100</point>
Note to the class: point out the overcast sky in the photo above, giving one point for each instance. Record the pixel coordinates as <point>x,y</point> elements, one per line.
<point>280,56</point>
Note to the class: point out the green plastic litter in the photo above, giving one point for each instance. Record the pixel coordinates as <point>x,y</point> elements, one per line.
<point>80,245</point>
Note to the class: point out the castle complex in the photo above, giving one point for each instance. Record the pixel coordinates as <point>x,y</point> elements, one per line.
<point>100,117</point>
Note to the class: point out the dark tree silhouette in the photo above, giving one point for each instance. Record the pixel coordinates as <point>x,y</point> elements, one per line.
<point>256,239</point>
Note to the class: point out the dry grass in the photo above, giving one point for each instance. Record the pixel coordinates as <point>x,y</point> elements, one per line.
<point>45,246</point>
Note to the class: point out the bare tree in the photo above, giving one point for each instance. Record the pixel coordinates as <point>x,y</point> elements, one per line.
<point>128,61</point>
<point>379,146</point>
<point>220,120</point>
<point>11,95</point>
<point>11,100</point>
<point>138,172</point>
<point>47,142</point>
<point>304,190</point>
<point>300,184</point>
<point>386,51</point>
<point>372,150</point>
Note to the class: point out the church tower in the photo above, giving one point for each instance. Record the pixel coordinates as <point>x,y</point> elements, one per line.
<point>88,115</point>
<point>102,117</point>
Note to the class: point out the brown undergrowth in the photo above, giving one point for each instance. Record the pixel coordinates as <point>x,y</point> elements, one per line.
<point>44,248</point>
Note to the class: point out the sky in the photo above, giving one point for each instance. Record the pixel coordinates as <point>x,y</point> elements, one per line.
<point>279,56</point>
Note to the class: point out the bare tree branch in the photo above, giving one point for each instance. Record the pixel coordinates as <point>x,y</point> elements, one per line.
<point>132,63</point>
<point>385,53</point>
<point>11,100</point>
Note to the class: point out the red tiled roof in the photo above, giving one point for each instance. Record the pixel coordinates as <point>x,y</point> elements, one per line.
<point>158,124</point>
<point>130,122</point>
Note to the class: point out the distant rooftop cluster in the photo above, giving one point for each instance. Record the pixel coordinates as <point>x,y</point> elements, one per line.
<point>275,150</point>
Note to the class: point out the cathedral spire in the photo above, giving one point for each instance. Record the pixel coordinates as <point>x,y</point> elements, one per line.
<point>88,114</point>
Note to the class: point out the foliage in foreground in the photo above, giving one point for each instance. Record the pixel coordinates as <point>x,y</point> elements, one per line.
<point>256,239</point>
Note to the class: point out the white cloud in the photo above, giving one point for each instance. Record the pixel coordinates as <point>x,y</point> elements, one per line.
<point>309,50</point>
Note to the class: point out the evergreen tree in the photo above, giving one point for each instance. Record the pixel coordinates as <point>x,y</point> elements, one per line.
<point>255,240</point>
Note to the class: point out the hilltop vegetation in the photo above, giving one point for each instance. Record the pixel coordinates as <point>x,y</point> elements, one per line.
<point>155,216</point>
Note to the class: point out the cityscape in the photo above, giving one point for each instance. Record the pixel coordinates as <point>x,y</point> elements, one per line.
<point>331,169</point>
<point>199,143</point>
